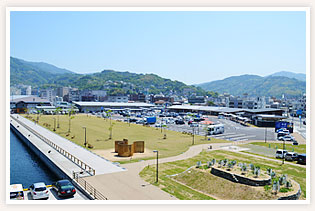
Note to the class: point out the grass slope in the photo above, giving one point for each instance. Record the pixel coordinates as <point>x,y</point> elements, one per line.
<point>98,134</point>
<point>169,185</point>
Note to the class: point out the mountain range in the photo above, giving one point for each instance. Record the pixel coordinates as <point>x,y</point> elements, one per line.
<point>254,85</point>
<point>43,75</point>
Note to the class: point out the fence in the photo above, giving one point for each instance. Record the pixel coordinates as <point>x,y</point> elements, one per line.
<point>88,188</point>
<point>68,155</point>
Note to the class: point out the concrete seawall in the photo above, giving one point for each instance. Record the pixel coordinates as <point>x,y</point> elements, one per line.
<point>50,157</point>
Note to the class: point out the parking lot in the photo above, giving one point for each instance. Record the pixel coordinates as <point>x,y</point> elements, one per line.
<point>233,131</point>
<point>54,196</point>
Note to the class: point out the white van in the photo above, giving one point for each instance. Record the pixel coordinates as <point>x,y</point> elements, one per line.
<point>215,129</point>
<point>16,192</point>
<point>281,153</point>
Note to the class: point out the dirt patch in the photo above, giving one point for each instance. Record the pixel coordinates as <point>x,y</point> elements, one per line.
<point>110,154</point>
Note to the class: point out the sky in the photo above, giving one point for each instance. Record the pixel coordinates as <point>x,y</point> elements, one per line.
<point>189,46</point>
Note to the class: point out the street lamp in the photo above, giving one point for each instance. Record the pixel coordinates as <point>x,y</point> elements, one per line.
<point>84,136</point>
<point>193,136</point>
<point>283,151</point>
<point>54,124</point>
<point>265,134</point>
<point>157,165</point>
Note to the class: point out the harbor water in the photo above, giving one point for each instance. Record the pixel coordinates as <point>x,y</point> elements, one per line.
<point>25,167</point>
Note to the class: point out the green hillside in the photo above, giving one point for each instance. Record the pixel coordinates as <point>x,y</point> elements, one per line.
<point>257,85</point>
<point>46,75</point>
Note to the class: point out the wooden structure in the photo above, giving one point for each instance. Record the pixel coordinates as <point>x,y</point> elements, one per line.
<point>126,150</point>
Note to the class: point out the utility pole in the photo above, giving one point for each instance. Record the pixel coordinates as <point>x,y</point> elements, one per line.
<point>84,136</point>
<point>193,136</point>
<point>265,134</point>
<point>157,165</point>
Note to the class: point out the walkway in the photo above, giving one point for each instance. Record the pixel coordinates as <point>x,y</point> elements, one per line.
<point>101,165</point>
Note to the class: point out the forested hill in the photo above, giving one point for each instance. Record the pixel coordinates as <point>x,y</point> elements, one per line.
<point>46,75</point>
<point>257,86</point>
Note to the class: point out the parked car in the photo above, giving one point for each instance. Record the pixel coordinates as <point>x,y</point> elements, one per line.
<point>295,143</point>
<point>282,133</point>
<point>281,153</point>
<point>64,188</point>
<point>291,156</point>
<point>179,122</point>
<point>286,138</point>
<point>16,192</point>
<point>39,191</point>
<point>301,159</point>
<point>194,125</point>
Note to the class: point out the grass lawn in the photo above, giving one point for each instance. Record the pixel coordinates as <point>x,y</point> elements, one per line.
<point>200,182</point>
<point>289,146</point>
<point>98,134</point>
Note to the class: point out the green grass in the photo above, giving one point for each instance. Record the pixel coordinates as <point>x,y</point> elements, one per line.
<point>98,134</point>
<point>295,172</point>
<point>297,148</point>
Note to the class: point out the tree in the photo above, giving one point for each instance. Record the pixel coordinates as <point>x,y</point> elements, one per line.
<point>71,112</point>
<point>57,111</point>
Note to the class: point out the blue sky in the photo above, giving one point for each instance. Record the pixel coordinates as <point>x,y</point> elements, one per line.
<point>192,47</point>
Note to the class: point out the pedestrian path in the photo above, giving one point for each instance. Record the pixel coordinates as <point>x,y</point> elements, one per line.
<point>98,163</point>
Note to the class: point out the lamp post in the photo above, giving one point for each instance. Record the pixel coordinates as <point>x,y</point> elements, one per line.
<point>84,136</point>
<point>265,134</point>
<point>193,136</point>
<point>283,150</point>
<point>54,124</point>
<point>157,165</point>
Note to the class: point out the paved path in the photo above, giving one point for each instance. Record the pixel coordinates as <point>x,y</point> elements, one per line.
<point>129,185</point>
<point>101,165</point>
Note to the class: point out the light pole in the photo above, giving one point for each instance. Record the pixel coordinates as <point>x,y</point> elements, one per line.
<point>157,165</point>
<point>193,136</point>
<point>265,134</point>
<point>84,136</point>
<point>283,150</point>
<point>54,124</point>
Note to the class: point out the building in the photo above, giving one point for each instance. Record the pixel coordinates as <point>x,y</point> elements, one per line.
<point>28,104</point>
<point>62,91</point>
<point>87,107</point>
<point>196,99</point>
<point>49,94</point>
<point>118,99</point>
<point>140,97</point>
<point>260,117</point>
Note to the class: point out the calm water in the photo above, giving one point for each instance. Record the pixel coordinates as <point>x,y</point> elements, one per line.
<point>25,167</point>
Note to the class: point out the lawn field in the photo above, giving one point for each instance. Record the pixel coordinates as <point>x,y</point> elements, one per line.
<point>289,146</point>
<point>213,186</point>
<point>98,133</point>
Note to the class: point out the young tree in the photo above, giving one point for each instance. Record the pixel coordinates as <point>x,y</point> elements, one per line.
<point>57,111</point>
<point>71,112</point>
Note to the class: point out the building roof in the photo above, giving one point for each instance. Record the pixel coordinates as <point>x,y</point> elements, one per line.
<point>112,104</point>
<point>262,110</point>
<point>206,108</point>
<point>30,99</point>
<point>221,109</point>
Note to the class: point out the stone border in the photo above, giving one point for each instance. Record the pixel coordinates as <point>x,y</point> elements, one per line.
<point>239,179</point>
<point>294,196</point>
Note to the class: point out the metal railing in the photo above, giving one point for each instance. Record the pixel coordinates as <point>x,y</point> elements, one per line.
<point>88,188</point>
<point>65,153</point>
